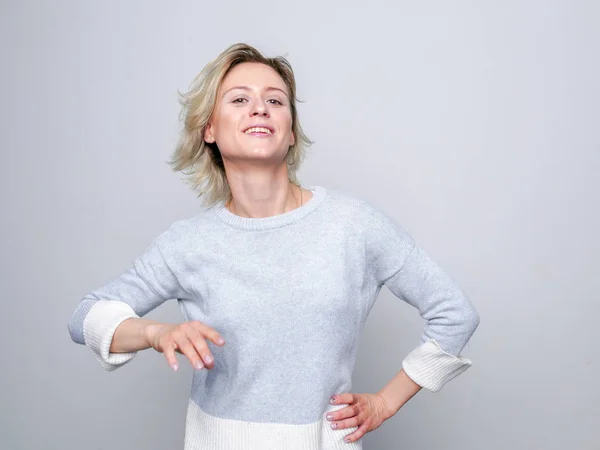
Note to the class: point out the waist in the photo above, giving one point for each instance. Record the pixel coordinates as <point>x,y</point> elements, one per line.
<point>268,393</point>
<point>205,431</point>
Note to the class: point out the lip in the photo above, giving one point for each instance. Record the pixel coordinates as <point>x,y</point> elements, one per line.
<point>261,125</point>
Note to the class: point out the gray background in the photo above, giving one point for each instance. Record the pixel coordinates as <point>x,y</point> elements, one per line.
<point>475,124</point>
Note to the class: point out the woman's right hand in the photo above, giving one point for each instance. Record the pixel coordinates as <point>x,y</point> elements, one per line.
<point>188,338</point>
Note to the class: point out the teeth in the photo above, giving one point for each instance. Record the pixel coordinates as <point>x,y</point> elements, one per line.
<point>258,130</point>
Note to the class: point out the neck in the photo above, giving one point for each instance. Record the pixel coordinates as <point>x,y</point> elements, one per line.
<point>262,192</point>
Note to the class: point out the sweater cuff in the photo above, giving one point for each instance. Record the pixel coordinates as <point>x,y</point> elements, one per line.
<point>431,367</point>
<point>99,328</point>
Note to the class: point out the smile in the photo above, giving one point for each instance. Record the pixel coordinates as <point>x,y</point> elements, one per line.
<point>258,131</point>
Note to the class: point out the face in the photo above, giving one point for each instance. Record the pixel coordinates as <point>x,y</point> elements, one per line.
<point>252,118</point>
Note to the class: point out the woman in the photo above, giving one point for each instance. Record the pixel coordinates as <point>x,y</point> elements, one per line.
<point>274,281</point>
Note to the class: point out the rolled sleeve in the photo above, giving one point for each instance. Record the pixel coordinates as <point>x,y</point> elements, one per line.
<point>99,328</point>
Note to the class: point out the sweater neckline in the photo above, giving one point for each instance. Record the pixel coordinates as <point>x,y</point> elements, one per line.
<point>279,220</point>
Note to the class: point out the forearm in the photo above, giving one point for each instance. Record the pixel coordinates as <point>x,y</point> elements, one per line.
<point>131,335</point>
<point>398,391</point>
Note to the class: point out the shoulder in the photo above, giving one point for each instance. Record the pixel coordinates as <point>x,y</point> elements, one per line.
<point>185,231</point>
<point>379,228</point>
<point>357,207</point>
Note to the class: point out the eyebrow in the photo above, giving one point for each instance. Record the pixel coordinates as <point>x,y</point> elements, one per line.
<point>246,88</point>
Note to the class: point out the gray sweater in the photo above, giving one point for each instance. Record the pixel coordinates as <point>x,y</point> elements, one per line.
<point>290,295</point>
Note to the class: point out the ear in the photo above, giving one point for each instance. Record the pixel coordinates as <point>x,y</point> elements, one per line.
<point>208,134</point>
<point>292,139</point>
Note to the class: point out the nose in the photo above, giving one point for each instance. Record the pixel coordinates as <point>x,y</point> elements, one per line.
<point>259,109</point>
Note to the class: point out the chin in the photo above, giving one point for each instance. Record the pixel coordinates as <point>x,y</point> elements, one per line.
<point>258,153</point>
<point>266,154</point>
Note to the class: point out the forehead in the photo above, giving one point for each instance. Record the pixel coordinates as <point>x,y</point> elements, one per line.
<point>254,76</point>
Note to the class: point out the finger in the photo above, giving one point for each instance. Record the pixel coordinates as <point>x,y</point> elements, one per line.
<point>343,413</point>
<point>355,436</point>
<point>346,423</point>
<point>169,352</point>
<point>345,398</point>
<point>201,347</point>
<point>209,332</point>
<point>190,352</point>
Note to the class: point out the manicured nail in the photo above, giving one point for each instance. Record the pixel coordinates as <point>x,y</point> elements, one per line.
<point>220,341</point>
<point>208,359</point>
<point>199,365</point>
<point>174,366</point>
<point>332,400</point>
<point>334,425</point>
<point>346,439</point>
<point>329,416</point>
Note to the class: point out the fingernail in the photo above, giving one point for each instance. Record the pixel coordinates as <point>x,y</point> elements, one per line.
<point>199,365</point>
<point>332,400</point>
<point>174,366</point>
<point>346,439</point>
<point>329,416</point>
<point>220,341</point>
<point>334,426</point>
<point>208,359</point>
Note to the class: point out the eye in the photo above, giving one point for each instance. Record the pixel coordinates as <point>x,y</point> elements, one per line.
<point>275,101</point>
<point>239,100</point>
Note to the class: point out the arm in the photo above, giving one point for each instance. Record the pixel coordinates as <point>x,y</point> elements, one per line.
<point>131,336</point>
<point>144,286</point>
<point>396,261</point>
<point>450,319</point>
<point>398,391</point>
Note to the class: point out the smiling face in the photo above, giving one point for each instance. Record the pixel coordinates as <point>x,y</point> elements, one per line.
<point>252,119</point>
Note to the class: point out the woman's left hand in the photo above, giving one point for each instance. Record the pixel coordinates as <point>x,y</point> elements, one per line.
<point>365,411</point>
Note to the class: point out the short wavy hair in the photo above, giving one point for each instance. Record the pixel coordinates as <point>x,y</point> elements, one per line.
<point>201,162</point>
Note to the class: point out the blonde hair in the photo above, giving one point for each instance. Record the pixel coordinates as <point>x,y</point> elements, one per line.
<point>200,161</point>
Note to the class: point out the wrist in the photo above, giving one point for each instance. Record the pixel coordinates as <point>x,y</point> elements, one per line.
<point>390,406</point>
<point>149,331</point>
<point>398,392</point>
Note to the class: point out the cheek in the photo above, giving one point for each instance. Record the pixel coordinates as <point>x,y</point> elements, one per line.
<point>285,120</point>
<point>291,131</point>
<point>225,125</point>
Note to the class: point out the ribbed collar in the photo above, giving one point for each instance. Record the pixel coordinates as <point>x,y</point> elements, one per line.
<point>280,220</point>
